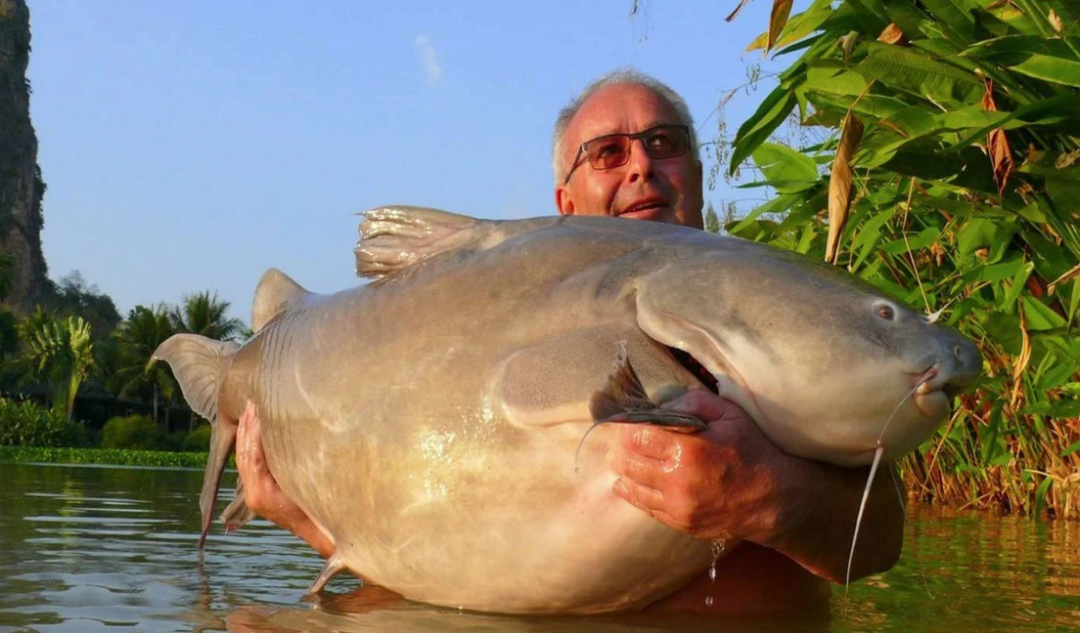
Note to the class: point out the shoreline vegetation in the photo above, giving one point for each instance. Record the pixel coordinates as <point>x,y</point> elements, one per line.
<point>103,457</point>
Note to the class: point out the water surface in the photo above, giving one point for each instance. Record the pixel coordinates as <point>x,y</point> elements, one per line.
<point>86,548</point>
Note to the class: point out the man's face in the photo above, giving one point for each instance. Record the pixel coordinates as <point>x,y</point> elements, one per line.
<point>664,190</point>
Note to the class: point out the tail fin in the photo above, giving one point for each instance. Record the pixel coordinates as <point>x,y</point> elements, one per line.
<point>199,365</point>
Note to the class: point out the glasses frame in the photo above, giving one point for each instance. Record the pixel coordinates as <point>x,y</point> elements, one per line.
<point>583,148</point>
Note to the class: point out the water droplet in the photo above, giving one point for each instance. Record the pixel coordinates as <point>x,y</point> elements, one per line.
<point>708,601</point>
<point>717,550</point>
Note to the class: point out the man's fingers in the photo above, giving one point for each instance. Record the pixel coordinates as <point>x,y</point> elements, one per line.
<point>641,497</point>
<point>643,471</point>
<point>647,441</point>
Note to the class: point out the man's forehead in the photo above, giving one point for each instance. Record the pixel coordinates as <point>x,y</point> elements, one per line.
<point>620,108</point>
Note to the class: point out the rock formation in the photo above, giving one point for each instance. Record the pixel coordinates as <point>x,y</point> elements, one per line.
<point>21,187</point>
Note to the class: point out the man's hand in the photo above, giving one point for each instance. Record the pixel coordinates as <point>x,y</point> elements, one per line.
<point>730,482</point>
<point>261,491</point>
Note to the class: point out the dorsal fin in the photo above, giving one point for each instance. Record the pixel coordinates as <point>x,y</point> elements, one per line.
<point>396,237</point>
<point>275,292</point>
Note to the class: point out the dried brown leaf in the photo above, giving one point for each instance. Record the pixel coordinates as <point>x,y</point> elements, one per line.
<point>734,13</point>
<point>781,11</point>
<point>1001,158</point>
<point>1055,21</point>
<point>1067,159</point>
<point>892,35</point>
<point>1021,363</point>
<point>840,182</point>
<point>997,145</point>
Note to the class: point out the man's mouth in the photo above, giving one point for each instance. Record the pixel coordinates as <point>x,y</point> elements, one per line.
<point>647,209</point>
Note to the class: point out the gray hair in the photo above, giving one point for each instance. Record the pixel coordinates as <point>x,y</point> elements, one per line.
<point>621,76</point>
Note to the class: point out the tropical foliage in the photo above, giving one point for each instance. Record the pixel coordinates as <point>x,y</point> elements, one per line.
<point>948,175</point>
<point>206,315</point>
<point>133,432</point>
<point>27,424</point>
<point>137,338</point>
<point>58,355</point>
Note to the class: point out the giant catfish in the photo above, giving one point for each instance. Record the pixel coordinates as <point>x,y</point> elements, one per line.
<point>428,421</point>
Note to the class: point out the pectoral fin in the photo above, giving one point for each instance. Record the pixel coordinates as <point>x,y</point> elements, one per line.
<point>623,399</point>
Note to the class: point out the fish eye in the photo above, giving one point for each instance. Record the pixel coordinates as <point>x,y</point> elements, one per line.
<point>886,311</point>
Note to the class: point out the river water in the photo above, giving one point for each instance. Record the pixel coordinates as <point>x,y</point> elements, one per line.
<point>86,548</point>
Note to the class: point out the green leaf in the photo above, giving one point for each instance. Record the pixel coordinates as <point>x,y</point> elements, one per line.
<point>835,81</point>
<point>1052,111</point>
<point>906,69</point>
<point>922,239</point>
<point>906,16</point>
<point>776,205</point>
<point>1004,329</point>
<point>1040,316</point>
<point>786,170</point>
<point>1033,55</point>
<point>1017,285</point>
<point>1040,494</point>
<point>997,272</point>
<point>1074,301</point>
<point>955,16</point>
<point>870,105</point>
<point>992,446</point>
<point>869,233</point>
<point>1064,409</point>
<point>769,115</point>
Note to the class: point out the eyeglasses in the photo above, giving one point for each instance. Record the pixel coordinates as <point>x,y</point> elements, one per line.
<point>613,150</point>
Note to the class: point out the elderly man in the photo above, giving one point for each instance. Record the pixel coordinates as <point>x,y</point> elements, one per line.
<point>626,147</point>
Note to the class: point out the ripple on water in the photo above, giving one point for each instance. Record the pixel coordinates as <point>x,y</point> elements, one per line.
<point>96,549</point>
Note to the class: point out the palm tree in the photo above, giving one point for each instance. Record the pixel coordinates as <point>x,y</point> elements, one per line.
<point>58,354</point>
<point>206,315</point>
<point>138,336</point>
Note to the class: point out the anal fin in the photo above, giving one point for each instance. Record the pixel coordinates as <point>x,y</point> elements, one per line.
<point>237,514</point>
<point>334,566</point>
<point>221,442</point>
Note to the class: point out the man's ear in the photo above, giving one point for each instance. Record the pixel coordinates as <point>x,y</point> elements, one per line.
<point>564,202</point>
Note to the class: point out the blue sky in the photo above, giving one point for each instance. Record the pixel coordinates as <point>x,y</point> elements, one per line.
<point>192,145</point>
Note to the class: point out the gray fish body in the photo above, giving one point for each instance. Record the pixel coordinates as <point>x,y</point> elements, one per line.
<point>428,421</point>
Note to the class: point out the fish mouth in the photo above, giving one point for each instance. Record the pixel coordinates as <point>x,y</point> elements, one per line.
<point>695,367</point>
<point>933,393</point>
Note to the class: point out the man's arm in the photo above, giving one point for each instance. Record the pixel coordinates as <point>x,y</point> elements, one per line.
<point>731,482</point>
<point>262,493</point>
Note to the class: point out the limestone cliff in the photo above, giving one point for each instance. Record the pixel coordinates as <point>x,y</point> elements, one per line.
<point>21,187</point>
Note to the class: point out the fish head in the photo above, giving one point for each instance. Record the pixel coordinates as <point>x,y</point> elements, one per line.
<point>829,367</point>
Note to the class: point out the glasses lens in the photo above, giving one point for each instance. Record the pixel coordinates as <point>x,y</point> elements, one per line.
<point>666,142</point>
<point>607,152</point>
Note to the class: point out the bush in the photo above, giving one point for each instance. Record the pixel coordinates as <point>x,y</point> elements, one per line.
<point>198,441</point>
<point>133,432</point>
<point>28,424</point>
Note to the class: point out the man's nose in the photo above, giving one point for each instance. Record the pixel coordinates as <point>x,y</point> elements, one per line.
<point>641,165</point>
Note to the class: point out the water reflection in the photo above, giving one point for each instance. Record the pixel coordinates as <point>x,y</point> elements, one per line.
<point>87,548</point>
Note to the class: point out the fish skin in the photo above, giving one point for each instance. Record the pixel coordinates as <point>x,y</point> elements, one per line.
<point>427,421</point>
